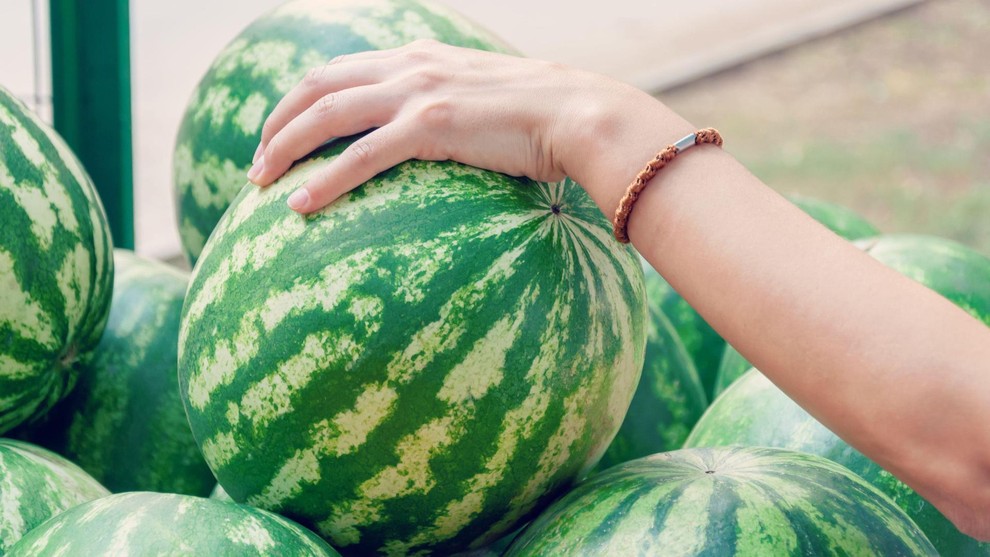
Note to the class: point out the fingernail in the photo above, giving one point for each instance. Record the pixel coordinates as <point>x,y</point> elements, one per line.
<point>257,153</point>
<point>256,169</point>
<point>299,199</point>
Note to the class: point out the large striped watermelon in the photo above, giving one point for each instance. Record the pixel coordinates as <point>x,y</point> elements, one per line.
<point>146,524</point>
<point>753,411</point>
<point>668,401</point>
<point>35,485</point>
<point>55,265</point>
<point>222,124</point>
<point>124,423</point>
<point>735,501</point>
<point>417,367</point>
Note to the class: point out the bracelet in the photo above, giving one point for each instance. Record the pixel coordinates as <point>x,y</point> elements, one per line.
<point>706,135</point>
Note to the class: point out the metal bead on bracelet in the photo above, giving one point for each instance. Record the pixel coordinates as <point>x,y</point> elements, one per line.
<point>667,154</point>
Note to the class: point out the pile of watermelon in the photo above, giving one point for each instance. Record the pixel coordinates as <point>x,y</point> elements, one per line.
<point>445,361</point>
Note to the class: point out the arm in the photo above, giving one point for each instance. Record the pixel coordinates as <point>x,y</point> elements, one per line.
<point>891,367</point>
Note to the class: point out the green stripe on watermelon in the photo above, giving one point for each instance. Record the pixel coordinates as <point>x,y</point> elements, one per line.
<point>734,501</point>
<point>417,367</point>
<point>124,422</point>
<point>668,401</point>
<point>732,367</point>
<point>35,485</point>
<point>754,412</point>
<point>223,119</point>
<point>55,265</point>
<point>141,523</point>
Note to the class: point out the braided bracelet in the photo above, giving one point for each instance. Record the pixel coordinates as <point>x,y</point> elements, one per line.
<point>706,135</point>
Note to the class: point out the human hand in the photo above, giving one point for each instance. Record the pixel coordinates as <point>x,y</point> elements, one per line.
<point>432,101</point>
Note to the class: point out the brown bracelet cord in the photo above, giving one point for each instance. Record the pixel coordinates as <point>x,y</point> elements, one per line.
<point>622,212</point>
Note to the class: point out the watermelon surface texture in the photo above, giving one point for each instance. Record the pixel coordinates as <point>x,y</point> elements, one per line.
<point>420,365</point>
<point>754,412</point>
<point>734,501</point>
<point>35,485</point>
<point>124,422</point>
<point>142,524</point>
<point>222,124</point>
<point>668,401</point>
<point>56,271</point>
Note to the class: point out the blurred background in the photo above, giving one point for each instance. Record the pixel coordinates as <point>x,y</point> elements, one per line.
<point>879,105</point>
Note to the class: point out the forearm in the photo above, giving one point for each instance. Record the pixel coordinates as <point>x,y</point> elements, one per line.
<point>893,368</point>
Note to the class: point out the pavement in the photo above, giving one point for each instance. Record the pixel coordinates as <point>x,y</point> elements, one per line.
<point>654,45</point>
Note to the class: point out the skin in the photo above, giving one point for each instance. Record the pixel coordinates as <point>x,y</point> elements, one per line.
<point>893,368</point>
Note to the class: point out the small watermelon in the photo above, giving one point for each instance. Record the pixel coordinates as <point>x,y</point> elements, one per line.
<point>124,423</point>
<point>35,485</point>
<point>147,524</point>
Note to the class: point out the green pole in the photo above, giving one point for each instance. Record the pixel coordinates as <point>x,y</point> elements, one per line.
<point>91,99</point>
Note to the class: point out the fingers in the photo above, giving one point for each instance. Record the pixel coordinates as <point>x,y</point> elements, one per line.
<point>343,72</point>
<point>336,114</point>
<point>362,160</point>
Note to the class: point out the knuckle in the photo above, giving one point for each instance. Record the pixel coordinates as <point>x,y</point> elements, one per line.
<point>436,115</point>
<point>326,105</point>
<point>362,151</point>
<point>337,59</point>
<point>315,76</point>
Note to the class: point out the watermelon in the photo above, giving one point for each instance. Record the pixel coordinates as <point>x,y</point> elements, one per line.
<point>56,272</point>
<point>733,501</point>
<point>35,485</point>
<point>754,412</point>
<point>146,524</point>
<point>843,221</point>
<point>222,124</point>
<point>419,366</point>
<point>124,423</point>
<point>667,403</point>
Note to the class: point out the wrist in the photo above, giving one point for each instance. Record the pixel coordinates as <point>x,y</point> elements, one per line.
<point>609,136</point>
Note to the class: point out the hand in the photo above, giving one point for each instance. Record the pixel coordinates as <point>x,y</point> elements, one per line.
<point>432,101</point>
